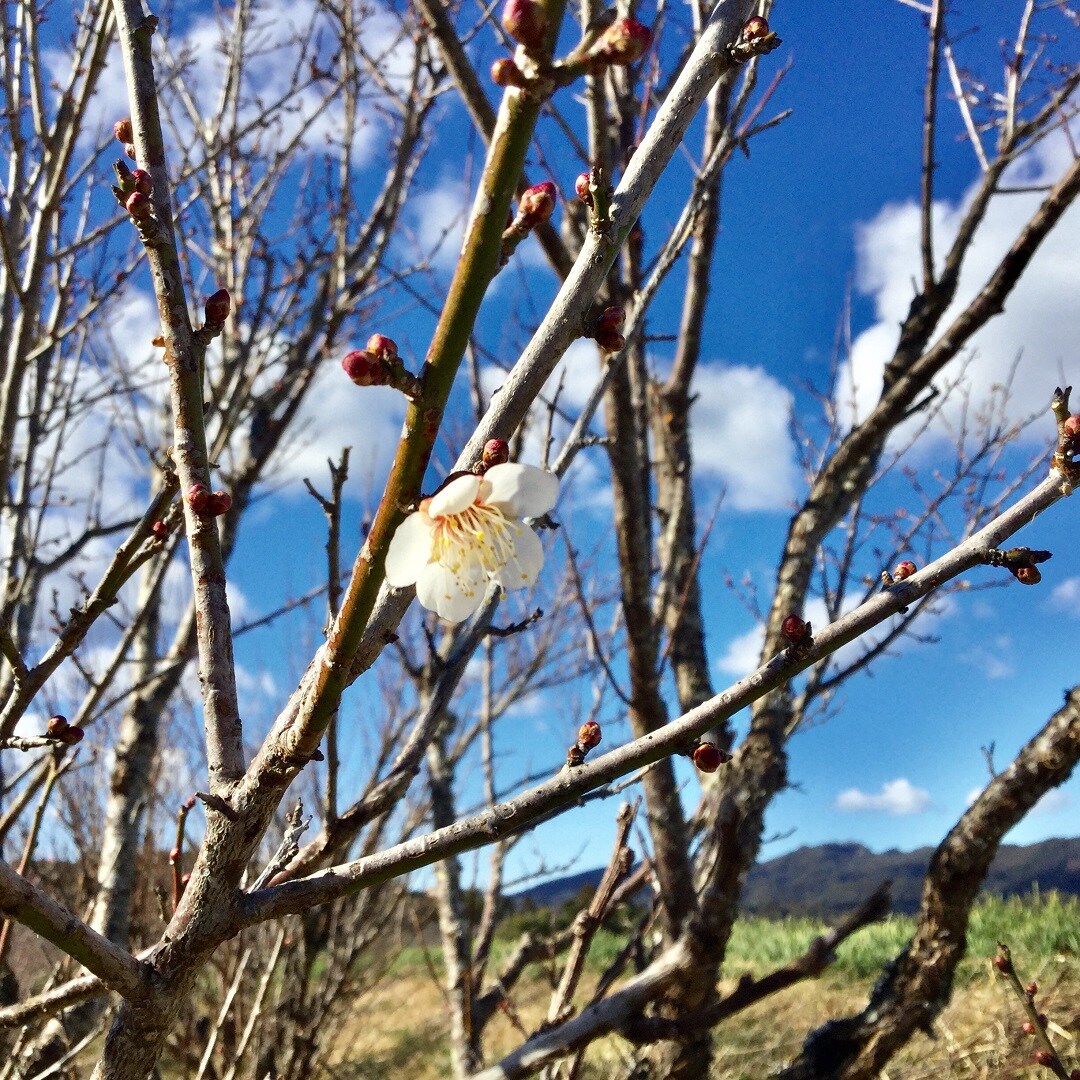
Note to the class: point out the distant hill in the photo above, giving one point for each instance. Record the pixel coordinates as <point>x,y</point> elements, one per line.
<point>833,878</point>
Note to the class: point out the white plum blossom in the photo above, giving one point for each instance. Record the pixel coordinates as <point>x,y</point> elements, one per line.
<point>469,533</point>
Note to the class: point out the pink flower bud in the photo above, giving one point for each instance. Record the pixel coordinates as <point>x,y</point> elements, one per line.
<point>707,757</point>
<point>1028,575</point>
<point>496,452</point>
<point>143,181</point>
<point>581,186</point>
<point>174,855</point>
<point>365,369</point>
<point>904,570</point>
<point>506,73</point>
<point>217,308</point>
<point>220,503</point>
<point>159,529</point>
<point>138,205</point>
<point>794,629</point>
<point>1072,427</point>
<point>536,204</point>
<point>382,347</point>
<point>1044,1058</point>
<point>72,736</point>
<point>526,22</point>
<point>624,42</point>
<point>189,803</point>
<point>1028,1028</point>
<point>589,735</point>
<point>198,498</point>
<point>755,27</point>
<point>56,726</point>
<point>122,131</point>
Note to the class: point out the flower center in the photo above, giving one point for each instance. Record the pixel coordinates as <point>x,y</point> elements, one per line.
<point>479,534</point>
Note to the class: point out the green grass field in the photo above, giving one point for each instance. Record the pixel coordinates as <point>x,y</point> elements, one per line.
<point>977,1036</point>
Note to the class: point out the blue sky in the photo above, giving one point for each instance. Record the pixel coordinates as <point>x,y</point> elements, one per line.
<point>817,209</point>
<point>822,206</point>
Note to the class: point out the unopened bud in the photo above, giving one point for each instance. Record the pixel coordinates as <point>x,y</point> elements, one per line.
<point>1028,575</point>
<point>217,307</point>
<point>1031,989</point>
<point>505,72</point>
<point>536,204</point>
<point>1002,963</point>
<point>198,498</point>
<point>496,452</point>
<point>56,726</point>
<point>582,185</point>
<point>174,855</point>
<point>610,340</point>
<point>904,570</point>
<point>220,502</point>
<point>707,757</point>
<point>1044,1058</point>
<point>624,42</point>
<point>382,347</point>
<point>1028,1028</point>
<point>611,318</point>
<point>794,629</point>
<point>526,22</point>
<point>71,736</point>
<point>122,131</point>
<point>159,529</point>
<point>755,27</point>
<point>189,803</point>
<point>1072,426</point>
<point>365,369</point>
<point>589,735</point>
<point>144,182</point>
<point>138,205</point>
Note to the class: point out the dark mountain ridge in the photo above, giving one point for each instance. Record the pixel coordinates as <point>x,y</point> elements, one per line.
<point>830,879</point>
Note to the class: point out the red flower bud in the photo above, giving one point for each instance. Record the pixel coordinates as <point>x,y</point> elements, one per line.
<point>382,347</point>
<point>1002,963</point>
<point>1044,1058</point>
<point>144,182</point>
<point>56,726</point>
<point>755,27</point>
<point>122,131</point>
<point>365,369</point>
<point>1028,1028</point>
<point>581,186</point>
<point>1031,989</point>
<point>506,73</point>
<point>159,529</point>
<point>526,22</point>
<point>217,307</point>
<point>220,502</point>
<point>1072,426</point>
<point>536,204</point>
<point>138,205</point>
<point>1028,575</point>
<point>198,498</point>
<point>904,570</point>
<point>189,803</point>
<point>1043,1019</point>
<point>611,318</point>
<point>496,452</point>
<point>610,340</point>
<point>707,757</point>
<point>794,629</point>
<point>589,735</point>
<point>71,736</point>
<point>174,855</point>
<point>623,42</point>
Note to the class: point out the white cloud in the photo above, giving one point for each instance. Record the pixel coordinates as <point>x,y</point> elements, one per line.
<point>742,437</point>
<point>1053,802</point>
<point>899,797</point>
<point>994,659</point>
<point>1066,595</point>
<point>437,219</point>
<point>1041,322</point>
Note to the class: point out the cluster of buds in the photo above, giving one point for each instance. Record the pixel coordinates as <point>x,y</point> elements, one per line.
<point>606,329</point>
<point>378,364</point>
<point>535,206</point>
<point>124,134</point>
<point>623,43</point>
<point>59,729</point>
<point>755,39</point>
<point>1021,562</point>
<point>1036,1024</point>
<point>708,757</point>
<point>132,189</point>
<point>588,738</point>
<point>526,22</point>
<point>208,504</point>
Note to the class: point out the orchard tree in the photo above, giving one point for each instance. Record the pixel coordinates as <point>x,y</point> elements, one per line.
<point>266,173</point>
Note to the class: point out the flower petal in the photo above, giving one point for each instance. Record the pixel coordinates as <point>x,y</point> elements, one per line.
<point>522,569</point>
<point>453,597</point>
<point>520,491</point>
<point>458,495</point>
<point>409,551</point>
